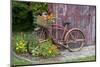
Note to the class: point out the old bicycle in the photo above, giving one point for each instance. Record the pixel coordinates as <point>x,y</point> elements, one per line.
<point>63,35</point>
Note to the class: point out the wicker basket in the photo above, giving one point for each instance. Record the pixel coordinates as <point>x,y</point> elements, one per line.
<point>42,21</point>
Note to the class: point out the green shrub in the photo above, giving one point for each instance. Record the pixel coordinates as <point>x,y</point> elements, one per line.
<point>23,15</point>
<point>46,49</point>
<point>20,44</point>
<point>33,42</point>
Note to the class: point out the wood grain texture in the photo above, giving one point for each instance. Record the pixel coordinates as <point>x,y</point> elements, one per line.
<point>80,16</point>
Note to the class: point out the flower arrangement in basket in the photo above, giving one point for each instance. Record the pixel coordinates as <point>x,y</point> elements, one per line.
<point>45,19</point>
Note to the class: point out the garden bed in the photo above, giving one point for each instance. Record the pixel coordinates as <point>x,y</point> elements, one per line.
<point>86,54</point>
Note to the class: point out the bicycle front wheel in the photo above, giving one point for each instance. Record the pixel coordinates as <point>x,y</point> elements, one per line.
<point>36,37</point>
<point>32,42</point>
<point>74,39</point>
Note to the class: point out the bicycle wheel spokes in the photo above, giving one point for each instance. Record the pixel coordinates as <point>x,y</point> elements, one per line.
<point>32,43</point>
<point>72,36</point>
<point>75,39</point>
<point>42,34</point>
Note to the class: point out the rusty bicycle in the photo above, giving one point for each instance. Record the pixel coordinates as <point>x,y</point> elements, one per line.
<point>73,38</point>
<point>63,35</point>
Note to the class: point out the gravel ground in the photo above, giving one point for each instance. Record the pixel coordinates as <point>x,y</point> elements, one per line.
<point>65,56</point>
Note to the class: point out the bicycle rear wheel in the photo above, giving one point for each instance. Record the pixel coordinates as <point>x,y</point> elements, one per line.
<point>74,39</point>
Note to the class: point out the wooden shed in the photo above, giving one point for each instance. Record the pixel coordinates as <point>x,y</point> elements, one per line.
<point>80,16</point>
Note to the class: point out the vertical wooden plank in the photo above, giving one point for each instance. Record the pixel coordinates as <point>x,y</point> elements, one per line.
<point>80,16</point>
<point>92,12</point>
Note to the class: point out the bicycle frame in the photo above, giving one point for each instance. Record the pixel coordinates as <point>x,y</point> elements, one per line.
<point>62,39</point>
<point>60,27</point>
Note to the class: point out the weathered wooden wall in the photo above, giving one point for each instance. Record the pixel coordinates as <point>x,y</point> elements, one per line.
<point>80,16</point>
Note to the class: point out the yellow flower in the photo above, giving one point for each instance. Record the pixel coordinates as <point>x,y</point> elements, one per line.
<point>49,51</point>
<point>17,44</point>
<point>17,48</point>
<point>21,43</point>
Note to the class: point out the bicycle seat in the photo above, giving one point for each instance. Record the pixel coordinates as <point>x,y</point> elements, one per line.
<point>66,23</point>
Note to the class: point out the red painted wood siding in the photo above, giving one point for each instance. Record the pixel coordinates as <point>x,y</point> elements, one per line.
<point>80,16</point>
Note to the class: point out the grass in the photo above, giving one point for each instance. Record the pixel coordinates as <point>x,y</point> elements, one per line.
<point>83,59</point>
<point>17,61</point>
<point>88,58</point>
